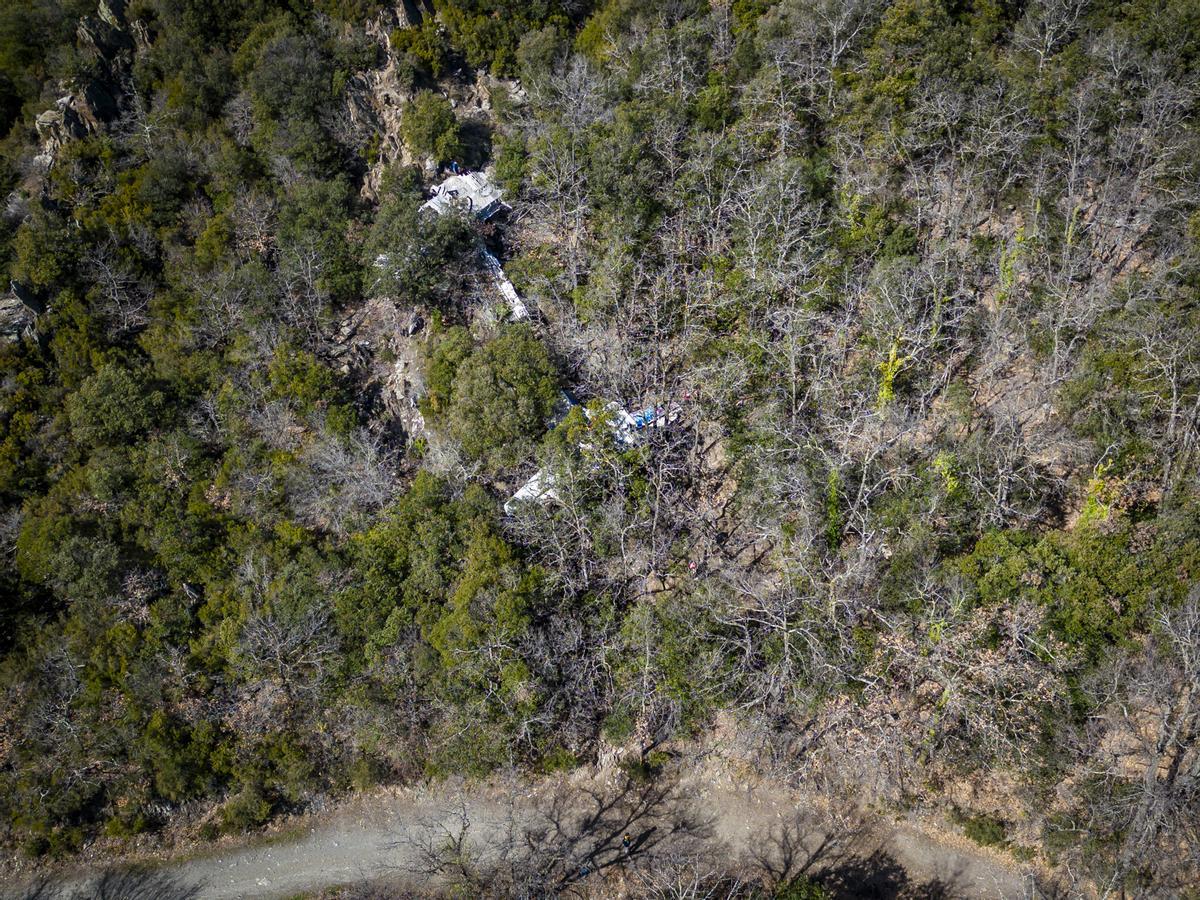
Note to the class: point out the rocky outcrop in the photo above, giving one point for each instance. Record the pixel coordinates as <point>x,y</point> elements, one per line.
<point>112,12</point>
<point>376,98</point>
<point>19,310</point>
<point>108,42</point>
<point>402,15</point>
<point>375,101</point>
<point>56,126</point>
<point>105,36</point>
<point>380,346</point>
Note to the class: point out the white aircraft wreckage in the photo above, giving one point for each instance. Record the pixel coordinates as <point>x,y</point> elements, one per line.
<point>628,430</point>
<point>469,191</point>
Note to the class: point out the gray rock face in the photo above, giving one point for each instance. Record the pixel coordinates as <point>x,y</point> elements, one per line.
<point>401,15</point>
<point>102,38</point>
<point>18,314</point>
<point>88,107</point>
<point>59,124</point>
<point>74,116</point>
<point>112,12</point>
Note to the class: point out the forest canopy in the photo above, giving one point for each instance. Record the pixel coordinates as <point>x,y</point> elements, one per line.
<point>900,296</point>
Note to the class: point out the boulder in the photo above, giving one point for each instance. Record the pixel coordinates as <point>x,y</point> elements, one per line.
<point>59,124</point>
<point>112,12</point>
<point>92,104</point>
<point>19,310</point>
<point>102,39</point>
<point>402,15</point>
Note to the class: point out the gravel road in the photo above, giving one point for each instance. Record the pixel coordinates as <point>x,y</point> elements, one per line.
<point>708,817</point>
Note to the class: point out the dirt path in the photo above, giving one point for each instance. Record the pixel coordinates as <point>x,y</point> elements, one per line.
<point>355,847</point>
<point>856,856</point>
<point>581,821</point>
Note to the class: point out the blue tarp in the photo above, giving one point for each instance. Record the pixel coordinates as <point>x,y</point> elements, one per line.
<point>645,417</point>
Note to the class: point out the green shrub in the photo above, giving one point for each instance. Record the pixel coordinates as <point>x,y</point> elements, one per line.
<point>984,829</point>
<point>593,39</point>
<point>409,253</point>
<point>644,768</point>
<point>488,32</point>
<point>1095,581</point>
<point>426,44</point>
<point>801,888</point>
<point>1061,833</point>
<point>249,808</point>
<point>504,394</point>
<point>618,725</point>
<point>442,366</point>
<point>512,164</point>
<point>292,87</point>
<point>126,825</point>
<point>430,129</point>
<point>366,771</point>
<point>113,405</point>
<point>559,759</point>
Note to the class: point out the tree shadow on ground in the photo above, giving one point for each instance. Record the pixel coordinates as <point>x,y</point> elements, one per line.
<point>571,834</point>
<point>476,142</point>
<point>879,876</point>
<point>114,884</point>
<point>842,856</point>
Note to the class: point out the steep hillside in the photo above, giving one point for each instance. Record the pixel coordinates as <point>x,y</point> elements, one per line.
<point>401,391</point>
